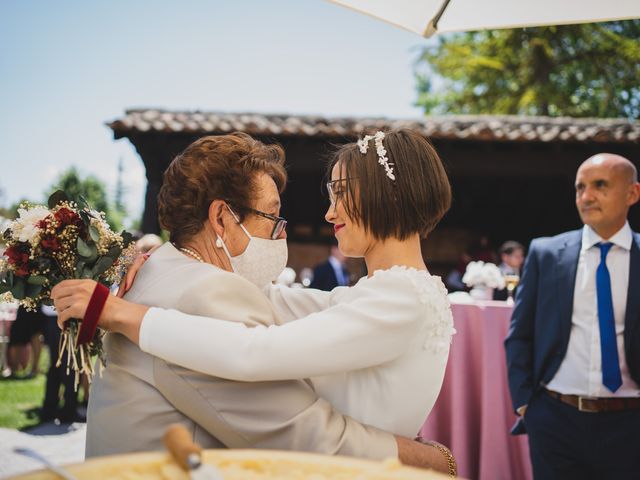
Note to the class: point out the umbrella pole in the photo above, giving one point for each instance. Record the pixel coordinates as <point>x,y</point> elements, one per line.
<point>432,26</point>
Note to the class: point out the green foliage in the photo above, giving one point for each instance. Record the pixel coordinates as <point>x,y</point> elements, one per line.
<point>19,397</point>
<point>89,190</point>
<point>588,70</point>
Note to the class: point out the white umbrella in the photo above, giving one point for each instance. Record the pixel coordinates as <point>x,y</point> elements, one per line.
<point>425,17</point>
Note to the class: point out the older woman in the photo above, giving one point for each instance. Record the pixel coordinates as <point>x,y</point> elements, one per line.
<point>220,203</point>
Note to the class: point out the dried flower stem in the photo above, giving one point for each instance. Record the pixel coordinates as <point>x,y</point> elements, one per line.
<point>78,356</point>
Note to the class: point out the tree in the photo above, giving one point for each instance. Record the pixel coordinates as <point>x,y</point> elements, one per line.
<point>588,70</point>
<point>92,189</point>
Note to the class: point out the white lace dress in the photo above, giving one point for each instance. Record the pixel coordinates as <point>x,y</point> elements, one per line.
<point>376,351</point>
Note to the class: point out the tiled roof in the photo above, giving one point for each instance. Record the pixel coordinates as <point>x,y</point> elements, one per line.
<point>463,127</point>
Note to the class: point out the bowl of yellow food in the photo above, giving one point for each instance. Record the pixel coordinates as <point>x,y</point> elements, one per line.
<point>240,465</point>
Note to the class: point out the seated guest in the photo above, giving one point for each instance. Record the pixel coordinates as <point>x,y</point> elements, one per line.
<point>332,273</point>
<point>511,260</point>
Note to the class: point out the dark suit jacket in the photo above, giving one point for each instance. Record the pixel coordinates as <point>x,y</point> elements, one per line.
<point>541,322</point>
<point>324,277</point>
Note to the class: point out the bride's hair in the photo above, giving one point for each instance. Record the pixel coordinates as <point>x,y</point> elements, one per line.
<point>414,201</point>
<point>221,167</point>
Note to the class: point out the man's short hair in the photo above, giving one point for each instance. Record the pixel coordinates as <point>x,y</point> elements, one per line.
<point>509,247</point>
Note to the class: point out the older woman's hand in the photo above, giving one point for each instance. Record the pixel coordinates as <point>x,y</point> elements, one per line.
<point>71,298</point>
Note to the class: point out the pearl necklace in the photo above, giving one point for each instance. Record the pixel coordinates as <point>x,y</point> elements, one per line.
<point>191,253</point>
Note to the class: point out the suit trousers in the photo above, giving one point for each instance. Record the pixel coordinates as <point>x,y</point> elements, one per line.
<point>566,444</point>
<point>56,377</point>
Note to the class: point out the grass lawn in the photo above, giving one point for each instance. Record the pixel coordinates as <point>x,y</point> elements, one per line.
<point>19,396</point>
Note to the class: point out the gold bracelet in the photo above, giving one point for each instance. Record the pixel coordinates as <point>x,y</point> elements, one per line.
<point>451,461</point>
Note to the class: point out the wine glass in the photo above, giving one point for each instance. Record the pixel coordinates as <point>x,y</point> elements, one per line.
<point>511,280</point>
<point>306,276</point>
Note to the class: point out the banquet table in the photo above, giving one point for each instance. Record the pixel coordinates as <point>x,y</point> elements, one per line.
<point>473,414</point>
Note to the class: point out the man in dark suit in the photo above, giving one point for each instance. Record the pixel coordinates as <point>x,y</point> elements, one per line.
<point>573,348</point>
<point>332,273</point>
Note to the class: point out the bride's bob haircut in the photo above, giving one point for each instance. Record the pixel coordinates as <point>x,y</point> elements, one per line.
<point>220,167</point>
<point>414,202</point>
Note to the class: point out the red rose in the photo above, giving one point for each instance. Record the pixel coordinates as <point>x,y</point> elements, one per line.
<point>50,243</point>
<point>64,216</point>
<point>42,224</point>
<point>23,271</point>
<point>17,255</point>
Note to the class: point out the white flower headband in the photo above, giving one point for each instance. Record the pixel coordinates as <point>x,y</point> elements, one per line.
<point>383,160</point>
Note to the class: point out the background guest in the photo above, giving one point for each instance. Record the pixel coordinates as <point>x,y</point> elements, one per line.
<point>511,260</point>
<point>573,349</point>
<point>332,273</point>
<point>25,332</point>
<point>57,377</point>
<point>148,242</point>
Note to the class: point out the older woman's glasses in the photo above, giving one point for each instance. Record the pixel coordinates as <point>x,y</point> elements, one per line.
<point>279,222</point>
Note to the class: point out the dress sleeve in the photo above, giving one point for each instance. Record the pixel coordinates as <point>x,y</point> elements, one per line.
<point>295,303</point>
<point>372,327</point>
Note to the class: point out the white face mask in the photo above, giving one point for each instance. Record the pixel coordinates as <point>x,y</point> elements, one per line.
<point>262,261</point>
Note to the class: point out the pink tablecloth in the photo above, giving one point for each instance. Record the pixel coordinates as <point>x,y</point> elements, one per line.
<point>473,413</point>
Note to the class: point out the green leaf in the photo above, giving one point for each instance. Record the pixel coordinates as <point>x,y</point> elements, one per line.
<point>18,290</point>
<point>82,202</point>
<point>37,280</point>
<point>57,198</point>
<point>79,268</point>
<point>4,288</point>
<point>33,291</point>
<point>87,272</point>
<point>114,252</point>
<point>94,234</point>
<point>86,218</point>
<point>10,278</point>
<point>102,265</point>
<point>88,252</point>
<point>127,238</point>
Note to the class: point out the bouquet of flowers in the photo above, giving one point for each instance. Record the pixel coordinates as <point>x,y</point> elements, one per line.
<point>65,240</point>
<point>480,274</point>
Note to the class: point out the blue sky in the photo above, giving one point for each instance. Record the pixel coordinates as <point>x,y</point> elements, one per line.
<point>67,67</point>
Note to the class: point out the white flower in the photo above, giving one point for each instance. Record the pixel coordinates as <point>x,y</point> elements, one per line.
<point>24,228</point>
<point>483,274</point>
<point>363,144</point>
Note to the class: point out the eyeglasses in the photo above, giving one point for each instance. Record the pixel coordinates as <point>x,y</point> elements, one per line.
<point>280,222</point>
<point>336,190</point>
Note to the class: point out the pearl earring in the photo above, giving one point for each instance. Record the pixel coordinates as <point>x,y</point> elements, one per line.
<point>219,242</point>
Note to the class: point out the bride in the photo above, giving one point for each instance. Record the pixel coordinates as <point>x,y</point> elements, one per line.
<point>378,350</point>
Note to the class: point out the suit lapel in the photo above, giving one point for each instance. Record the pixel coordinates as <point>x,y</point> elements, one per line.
<point>632,314</point>
<point>567,267</point>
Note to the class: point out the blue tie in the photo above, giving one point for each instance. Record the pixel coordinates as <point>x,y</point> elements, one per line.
<point>611,377</point>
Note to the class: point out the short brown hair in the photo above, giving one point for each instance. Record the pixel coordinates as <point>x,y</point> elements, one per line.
<point>222,167</point>
<point>507,248</point>
<point>413,203</point>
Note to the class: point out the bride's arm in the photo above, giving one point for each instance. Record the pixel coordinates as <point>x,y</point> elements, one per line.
<point>294,303</point>
<point>374,328</point>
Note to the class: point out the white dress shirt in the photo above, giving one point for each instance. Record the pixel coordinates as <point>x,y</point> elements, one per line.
<point>580,372</point>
